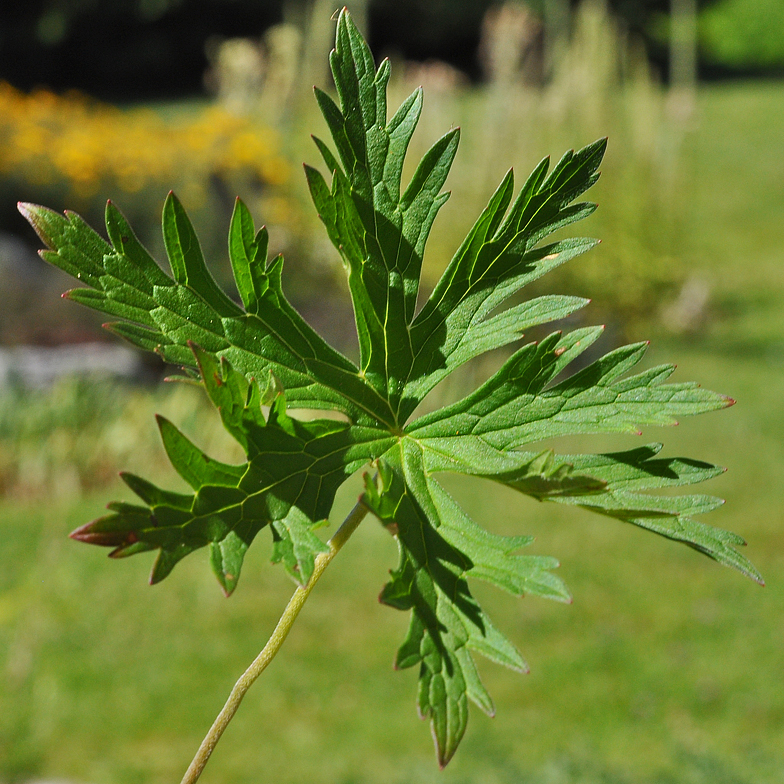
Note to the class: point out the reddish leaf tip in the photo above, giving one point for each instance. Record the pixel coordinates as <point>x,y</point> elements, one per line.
<point>28,209</point>
<point>86,535</point>
<point>77,537</point>
<point>77,534</point>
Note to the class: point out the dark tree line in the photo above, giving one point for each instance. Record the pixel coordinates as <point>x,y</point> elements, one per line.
<point>156,48</point>
<point>121,48</point>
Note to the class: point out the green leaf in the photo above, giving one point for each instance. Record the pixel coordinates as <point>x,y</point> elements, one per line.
<point>255,361</point>
<point>380,233</point>
<point>626,473</point>
<point>127,244</point>
<point>496,260</point>
<point>274,339</point>
<point>293,471</point>
<point>446,622</point>
<point>248,254</point>
<point>79,250</point>
<point>519,404</point>
<point>187,261</point>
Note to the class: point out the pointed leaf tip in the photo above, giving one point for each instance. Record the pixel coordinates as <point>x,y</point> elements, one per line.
<point>90,533</point>
<point>23,208</point>
<point>41,219</point>
<point>85,534</point>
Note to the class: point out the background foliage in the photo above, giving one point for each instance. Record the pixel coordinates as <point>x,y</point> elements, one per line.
<point>744,35</point>
<point>156,48</point>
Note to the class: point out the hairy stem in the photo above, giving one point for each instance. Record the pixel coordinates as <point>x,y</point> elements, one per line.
<point>269,651</point>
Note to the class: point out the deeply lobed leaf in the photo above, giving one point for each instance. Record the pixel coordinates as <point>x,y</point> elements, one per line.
<point>521,404</point>
<point>289,483</point>
<point>163,314</point>
<point>264,355</point>
<point>379,228</point>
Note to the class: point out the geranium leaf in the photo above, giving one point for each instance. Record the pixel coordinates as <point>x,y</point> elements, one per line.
<point>255,361</point>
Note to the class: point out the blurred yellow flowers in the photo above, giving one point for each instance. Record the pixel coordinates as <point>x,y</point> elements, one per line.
<point>81,145</point>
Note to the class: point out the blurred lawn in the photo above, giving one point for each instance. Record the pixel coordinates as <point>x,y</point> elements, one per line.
<point>737,215</point>
<point>667,669</point>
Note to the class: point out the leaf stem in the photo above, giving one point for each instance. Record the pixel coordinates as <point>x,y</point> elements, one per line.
<point>349,525</point>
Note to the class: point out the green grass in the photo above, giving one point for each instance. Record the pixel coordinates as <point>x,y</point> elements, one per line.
<point>665,670</point>
<point>737,214</point>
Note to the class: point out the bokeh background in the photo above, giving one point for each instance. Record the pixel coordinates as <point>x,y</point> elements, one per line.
<point>667,669</point>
